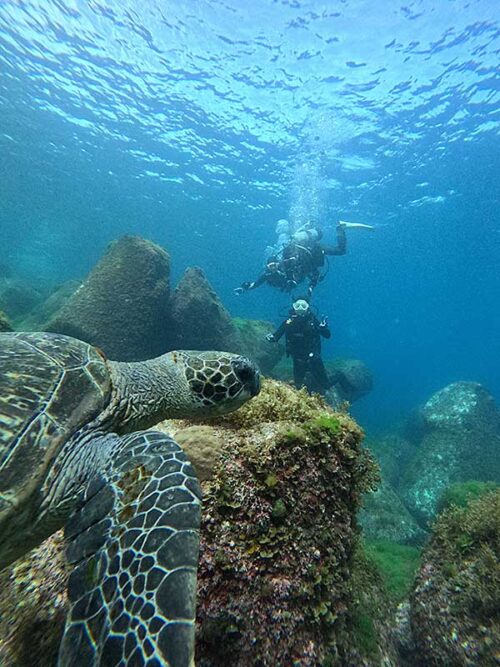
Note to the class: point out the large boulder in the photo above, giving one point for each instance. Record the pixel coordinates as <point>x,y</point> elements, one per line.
<point>200,320</point>
<point>461,442</point>
<point>455,606</point>
<point>122,305</point>
<point>351,378</point>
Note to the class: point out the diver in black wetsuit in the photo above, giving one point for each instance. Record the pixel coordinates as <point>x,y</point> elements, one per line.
<point>303,332</point>
<point>302,258</point>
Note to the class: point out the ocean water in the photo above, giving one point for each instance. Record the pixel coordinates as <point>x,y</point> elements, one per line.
<point>199,123</point>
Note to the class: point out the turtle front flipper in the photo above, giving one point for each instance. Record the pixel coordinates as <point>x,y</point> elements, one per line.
<point>134,542</point>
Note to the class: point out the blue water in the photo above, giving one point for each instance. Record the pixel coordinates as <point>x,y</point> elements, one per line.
<point>198,124</point>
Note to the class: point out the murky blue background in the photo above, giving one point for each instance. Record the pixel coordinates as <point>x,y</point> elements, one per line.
<point>198,124</point>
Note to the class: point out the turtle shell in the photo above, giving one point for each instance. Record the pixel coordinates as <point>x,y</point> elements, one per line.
<point>50,386</point>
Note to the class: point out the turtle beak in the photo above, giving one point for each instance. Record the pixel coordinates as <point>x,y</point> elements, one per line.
<point>248,374</point>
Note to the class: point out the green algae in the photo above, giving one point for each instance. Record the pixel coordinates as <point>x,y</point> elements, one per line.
<point>397,564</point>
<point>461,493</point>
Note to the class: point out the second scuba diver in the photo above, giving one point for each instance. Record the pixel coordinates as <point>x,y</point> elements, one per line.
<point>303,332</point>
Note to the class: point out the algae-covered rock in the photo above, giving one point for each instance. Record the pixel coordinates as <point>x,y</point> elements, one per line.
<point>384,517</point>
<point>33,607</point>
<point>122,305</point>
<point>278,532</point>
<point>455,607</point>
<point>5,324</point>
<point>253,343</point>
<point>461,442</point>
<point>370,625</point>
<point>200,320</point>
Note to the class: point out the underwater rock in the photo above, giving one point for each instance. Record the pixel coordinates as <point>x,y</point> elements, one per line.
<point>38,318</point>
<point>278,533</point>
<point>461,442</point>
<point>277,541</point>
<point>455,607</point>
<point>393,453</point>
<point>201,445</point>
<point>121,307</point>
<point>17,297</point>
<point>200,320</point>
<point>461,405</point>
<point>351,378</point>
<point>253,344</point>
<point>5,324</point>
<point>33,606</point>
<point>384,517</point>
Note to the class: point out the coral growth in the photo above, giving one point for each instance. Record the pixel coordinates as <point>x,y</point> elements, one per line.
<point>455,607</point>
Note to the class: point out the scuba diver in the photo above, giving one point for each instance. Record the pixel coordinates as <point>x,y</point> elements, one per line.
<point>303,332</point>
<point>296,258</point>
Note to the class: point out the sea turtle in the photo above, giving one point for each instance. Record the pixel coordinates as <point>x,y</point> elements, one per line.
<point>74,453</point>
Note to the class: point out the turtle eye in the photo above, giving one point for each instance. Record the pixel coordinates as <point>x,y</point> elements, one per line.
<point>247,374</point>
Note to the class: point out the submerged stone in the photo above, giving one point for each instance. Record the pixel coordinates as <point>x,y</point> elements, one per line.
<point>461,441</point>
<point>455,607</point>
<point>121,307</point>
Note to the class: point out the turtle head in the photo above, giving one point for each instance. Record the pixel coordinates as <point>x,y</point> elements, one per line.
<point>179,385</point>
<point>217,382</point>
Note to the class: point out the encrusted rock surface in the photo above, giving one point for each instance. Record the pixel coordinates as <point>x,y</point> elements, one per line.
<point>32,607</point>
<point>121,307</point>
<point>455,607</point>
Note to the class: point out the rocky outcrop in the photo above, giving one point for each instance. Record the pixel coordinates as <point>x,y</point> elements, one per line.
<point>460,442</point>
<point>393,453</point>
<point>121,307</point>
<point>200,320</point>
<point>455,610</point>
